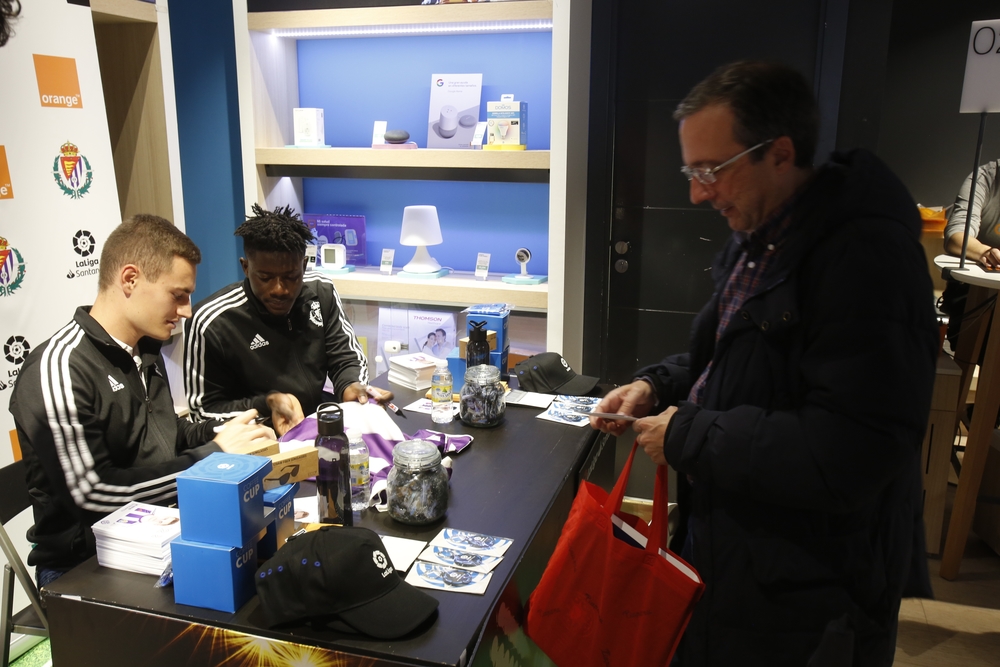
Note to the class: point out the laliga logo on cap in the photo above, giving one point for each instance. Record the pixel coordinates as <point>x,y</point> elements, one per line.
<point>382,563</point>
<point>565,364</point>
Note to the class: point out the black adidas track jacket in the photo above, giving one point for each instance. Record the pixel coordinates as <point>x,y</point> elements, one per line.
<point>94,438</point>
<point>236,352</point>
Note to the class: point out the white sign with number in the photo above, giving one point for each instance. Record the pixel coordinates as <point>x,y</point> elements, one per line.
<point>981,90</point>
<point>482,265</point>
<point>385,266</point>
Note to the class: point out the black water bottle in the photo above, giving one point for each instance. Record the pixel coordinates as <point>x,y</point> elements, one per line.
<point>477,352</point>
<point>333,481</point>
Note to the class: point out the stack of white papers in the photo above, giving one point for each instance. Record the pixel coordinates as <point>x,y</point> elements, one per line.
<point>137,537</point>
<point>413,371</point>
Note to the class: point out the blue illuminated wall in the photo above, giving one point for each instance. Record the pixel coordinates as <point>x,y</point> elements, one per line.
<point>359,81</point>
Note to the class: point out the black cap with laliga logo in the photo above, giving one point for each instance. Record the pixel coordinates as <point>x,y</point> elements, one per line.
<point>549,373</point>
<point>340,576</point>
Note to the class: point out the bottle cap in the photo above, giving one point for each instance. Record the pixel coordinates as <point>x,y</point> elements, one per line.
<point>477,331</point>
<point>441,363</point>
<point>329,419</point>
<point>354,434</point>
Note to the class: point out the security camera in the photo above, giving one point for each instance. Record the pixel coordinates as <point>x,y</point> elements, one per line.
<point>523,255</point>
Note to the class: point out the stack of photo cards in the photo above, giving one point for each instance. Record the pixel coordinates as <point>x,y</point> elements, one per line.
<point>572,410</point>
<point>459,560</point>
<point>137,537</point>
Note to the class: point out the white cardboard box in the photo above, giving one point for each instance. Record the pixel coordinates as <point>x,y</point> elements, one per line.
<point>308,127</point>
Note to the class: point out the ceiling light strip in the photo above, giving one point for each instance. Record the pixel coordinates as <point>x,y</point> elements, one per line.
<point>406,30</point>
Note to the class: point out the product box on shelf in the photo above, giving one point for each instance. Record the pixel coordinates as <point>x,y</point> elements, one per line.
<point>347,230</point>
<point>507,123</point>
<point>281,499</point>
<point>499,359</point>
<point>214,576</point>
<point>308,128</point>
<point>454,110</point>
<point>221,499</point>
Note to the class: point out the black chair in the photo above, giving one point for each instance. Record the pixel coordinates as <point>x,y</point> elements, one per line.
<point>31,620</point>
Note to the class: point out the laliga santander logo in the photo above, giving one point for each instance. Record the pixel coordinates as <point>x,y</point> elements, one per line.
<point>11,268</point>
<point>72,171</point>
<point>84,245</point>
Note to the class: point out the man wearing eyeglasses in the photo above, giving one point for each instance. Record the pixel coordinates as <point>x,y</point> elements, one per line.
<point>798,413</point>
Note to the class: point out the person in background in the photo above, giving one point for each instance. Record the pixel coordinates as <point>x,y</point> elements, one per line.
<point>9,10</point>
<point>272,341</point>
<point>798,413</point>
<point>92,407</point>
<point>984,239</point>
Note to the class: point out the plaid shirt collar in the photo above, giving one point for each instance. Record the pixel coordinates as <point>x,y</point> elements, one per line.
<point>760,246</point>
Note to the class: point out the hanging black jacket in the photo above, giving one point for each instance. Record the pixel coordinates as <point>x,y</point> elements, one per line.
<point>94,438</point>
<point>804,453</point>
<point>236,352</point>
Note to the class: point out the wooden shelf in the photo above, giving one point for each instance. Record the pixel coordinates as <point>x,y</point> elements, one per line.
<point>123,11</point>
<point>405,15</point>
<point>456,289</point>
<point>422,163</point>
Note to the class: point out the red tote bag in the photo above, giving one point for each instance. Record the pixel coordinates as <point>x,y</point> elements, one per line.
<point>604,601</point>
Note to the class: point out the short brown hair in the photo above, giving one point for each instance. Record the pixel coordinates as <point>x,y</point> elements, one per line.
<point>768,99</point>
<point>148,241</point>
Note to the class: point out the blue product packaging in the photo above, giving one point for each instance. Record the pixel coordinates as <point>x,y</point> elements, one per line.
<point>282,500</point>
<point>457,367</point>
<point>499,359</point>
<point>497,323</point>
<point>213,576</point>
<point>221,499</point>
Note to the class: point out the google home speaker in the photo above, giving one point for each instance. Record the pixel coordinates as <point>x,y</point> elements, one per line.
<point>448,122</point>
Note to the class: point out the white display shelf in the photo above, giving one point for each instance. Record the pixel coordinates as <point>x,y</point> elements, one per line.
<point>459,288</point>
<point>122,11</point>
<point>411,15</point>
<point>428,158</point>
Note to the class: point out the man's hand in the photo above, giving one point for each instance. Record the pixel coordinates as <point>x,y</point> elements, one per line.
<point>651,431</point>
<point>240,431</point>
<point>636,400</point>
<point>286,411</point>
<point>360,393</point>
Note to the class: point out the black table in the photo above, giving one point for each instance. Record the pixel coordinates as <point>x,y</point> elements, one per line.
<point>517,480</point>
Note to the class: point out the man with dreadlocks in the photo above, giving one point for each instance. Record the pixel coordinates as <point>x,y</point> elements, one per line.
<point>271,341</point>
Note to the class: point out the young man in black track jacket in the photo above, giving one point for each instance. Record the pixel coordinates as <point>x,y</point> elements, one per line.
<point>271,341</point>
<point>92,406</point>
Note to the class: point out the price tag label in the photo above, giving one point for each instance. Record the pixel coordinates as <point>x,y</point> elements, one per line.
<point>482,265</point>
<point>385,266</point>
<point>981,90</point>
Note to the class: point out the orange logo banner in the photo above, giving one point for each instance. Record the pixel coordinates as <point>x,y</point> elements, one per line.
<point>58,83</point>
<point>6,189</point>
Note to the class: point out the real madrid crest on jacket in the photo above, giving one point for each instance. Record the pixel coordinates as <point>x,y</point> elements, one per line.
<point>236,351</point>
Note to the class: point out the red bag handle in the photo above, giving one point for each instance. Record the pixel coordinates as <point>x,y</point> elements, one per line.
<point>659,523</point>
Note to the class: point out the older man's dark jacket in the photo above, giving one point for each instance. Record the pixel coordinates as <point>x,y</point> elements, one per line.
<point>804,453</point>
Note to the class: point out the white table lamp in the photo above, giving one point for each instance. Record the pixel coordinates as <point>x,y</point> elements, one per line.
<point>421,228</point>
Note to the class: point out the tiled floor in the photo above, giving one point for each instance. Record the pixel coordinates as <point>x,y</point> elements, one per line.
<point>961,627</point>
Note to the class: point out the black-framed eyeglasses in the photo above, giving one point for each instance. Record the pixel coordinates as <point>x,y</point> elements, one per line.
<point>707,176</point>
